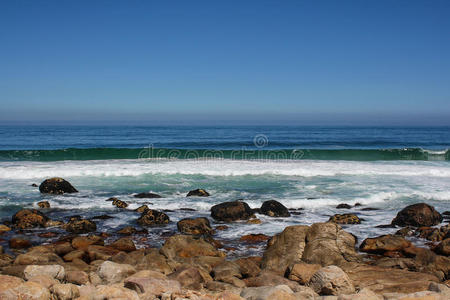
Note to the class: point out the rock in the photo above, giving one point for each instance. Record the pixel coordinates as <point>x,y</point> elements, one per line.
<point>221,227</point>
<point>344,206</point>
<point>77,254</point>
<point>345,219</point>
<point>254,238</point>
<point>254,221</point>
<point>302,272</point>
<point>274,208</point>
<point>225,270</point>
<point>124,244</point>
<point>420,214</point>
<point>147,195</point>
<point>77,277</point>
<point>113,292</point>
<point>195,226</point>
<point>53,223</point>
<point>279,292</point>
<point>141,209</point>
<point>331,280</point>
<point>151,282</point>
<point>231,211</point>
<point>153,260</point>
<point>43,204</point>
<point>268,278</point>
<point>97,252</point>
<point>80,226</point>
<point>54,271</point>
<point>185,246</point>
<point>37,257</point>
<point>285,249</point>
<point>7,282</point>
<point>44,280</point>
<point>19,243</point>
<point>364,294</point>
<point>443,247</point>
<point>198,193</point>
<point>118,203</point>
<point>26,291</point>
<point>111,272</point>
<point>191,277</point>
<point>248,266</point>
<point>82,242</point>
<point>384,243</point>
<point>56,185</point>
<point>65,291</point>
<point>153,217</point>
<point>227,295</point>
<point>62,248</point>
<point>102,217</point>
<point>4,228</point>
<point>29,218</point>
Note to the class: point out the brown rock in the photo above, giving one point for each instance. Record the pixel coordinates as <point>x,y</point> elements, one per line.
<point>4,228</point>
<point>221,227</point>
<point>111,272</point>
<point>56,185</point>
<point>302,272</point>
<point>19,243</point>
<point>77,277</point>
<point>384,243</point>
<point>231,211</point>
<point>345,219</point>
<point>420,214</point>
<point>195,226</point>
<point>254,221</point>
<point>44,280</point>
<point>343,206</point>
<point>76,254</point>
<point>443,247</point>
<point>67,291</point>
<point>141,209</point>
<point>147,195</point>
<point>331,280</point>
<point>185,246</point>
<point>124,244</point>
<point>43,204</point>
<point>29,218</point>
<point>274,208</point>
<point>38,257</point>
<point>254,238</point>
<point>28,290</point>
<point>80,226</point>
<point>97,252</point>
<point>153,260</point>
<point>198,193</point>
<point>153,217</point>
<point>53,223</point>
<point>118,203</point>
<point>7,282</point>
<point>191,277</point>
<point>267,278</point>
<point>82,242</point>
<point>62,248</point>
<point>248,266</point>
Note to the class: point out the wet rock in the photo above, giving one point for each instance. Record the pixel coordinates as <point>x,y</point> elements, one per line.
<point>331,280</point>
<point>77,277</point>
<point>62,248</point>
<point>27,290</point>
<point>131,230</point>
<point>221,227</point>
<point>279,292</point>
<point>343,206</point>
<point>254,221</point>
<point>420,214</point>
<point>153,217</point>
<point>141,209</point>
<point>97,252</point>
<point>82,242</point>
<point>111,272</point>
<point>328,244</point>
<point>102,217</point>
<point>54,271</point>
<point>47,235</point>
<point>198,193</point>
<point>384,243</point>
<point>254,238</point>
<point>345,219</point>
<point>302,272</point>
<point>187,209</point>
<point>118,203</point>
<point>53,223</point>
<point>38,257</point>
<point>19,243</point>
<point>147,195</point>
<point>4,228</point>
<point>443,248</point>
<point>195,226</point>
<point>231,211</point>
<point>185,246</point>
<point>369,209</point>
<point>56,185</point>
<point>65,291</point>
<point>406,231</point>
<point>29,218</point>
<point>80,226</point>
<point>34,185</point>
<point>43,204</point>
<point>76,254</point>
<point>124,244</point>
<point>274,208</point>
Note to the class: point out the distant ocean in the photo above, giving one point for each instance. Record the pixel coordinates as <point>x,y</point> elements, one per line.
<point>314,168</point>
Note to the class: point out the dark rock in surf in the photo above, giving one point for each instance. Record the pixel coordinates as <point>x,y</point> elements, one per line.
<point>195,226</point>
<point>420,214</point>
<point>29,218</point>
<point>56,185</point>
<point>43,204</point>
<point>345,219</point>
<point>343,206</point>
<point>153,217</point>
<point>141,209</point>
<point>34,185</point>
<point>102,217</point>
<point>274,208</point>
<point>231,211</point>
<point>147,195</point>
<point>79,226</point>
<point>198,193</point>
<point>119,203</point>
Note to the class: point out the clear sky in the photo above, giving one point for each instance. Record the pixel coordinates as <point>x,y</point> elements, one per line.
<point>303,62</point>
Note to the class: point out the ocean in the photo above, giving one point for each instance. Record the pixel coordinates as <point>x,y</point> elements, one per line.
<point>308,168</point>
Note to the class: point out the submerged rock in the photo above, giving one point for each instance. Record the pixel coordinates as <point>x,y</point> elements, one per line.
<point>345,219</point>
<point>153,217</point>
<point>56,185</point>
<point>29,218</point>
<point>43,204</point>
<point>344,206</point>
<point>420,214</point>
<point>198,193</point>
<point>195,226</point>
<point>274,208</point>
<point>147,195</point>
<point>231,211</point>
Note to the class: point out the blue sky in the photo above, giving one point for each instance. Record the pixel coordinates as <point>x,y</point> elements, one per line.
<point>301,62</point>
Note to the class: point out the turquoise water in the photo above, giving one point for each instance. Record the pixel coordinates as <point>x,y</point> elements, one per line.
<point>313,168</point>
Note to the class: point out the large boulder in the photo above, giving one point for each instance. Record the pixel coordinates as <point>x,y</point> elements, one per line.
<point>274,208</point>
<point>28,290</point>
<point>443,247</point>
<point>302,272</point>
<point>420,214</point>
<point>153,217</point>
<point>328,244</point>
<point>79,226</point>
<point>29,218</point>
<point>331,280</point>
<point>285,249</point>
<point>186,246</point>
<point>7,282</point>
<point>268,278</point>
<point>198,193</point>
<point>231,211</point>
<point>56,185</point>
<point>384,243</point>
<point>195,226</point>
<point>111,272</point>
<point>65,291</point>
<point>191,277</point>
<point>54,271</point>
<point>124,244</point>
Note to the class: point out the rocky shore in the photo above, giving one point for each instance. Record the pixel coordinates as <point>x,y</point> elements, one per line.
<point>320,261</point>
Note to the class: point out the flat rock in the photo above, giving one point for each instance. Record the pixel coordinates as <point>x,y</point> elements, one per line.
<point>185,246</point>
<point>384,243</point>
<point>54,271</point>
<point>111,272</point>
<point>279,292</point>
